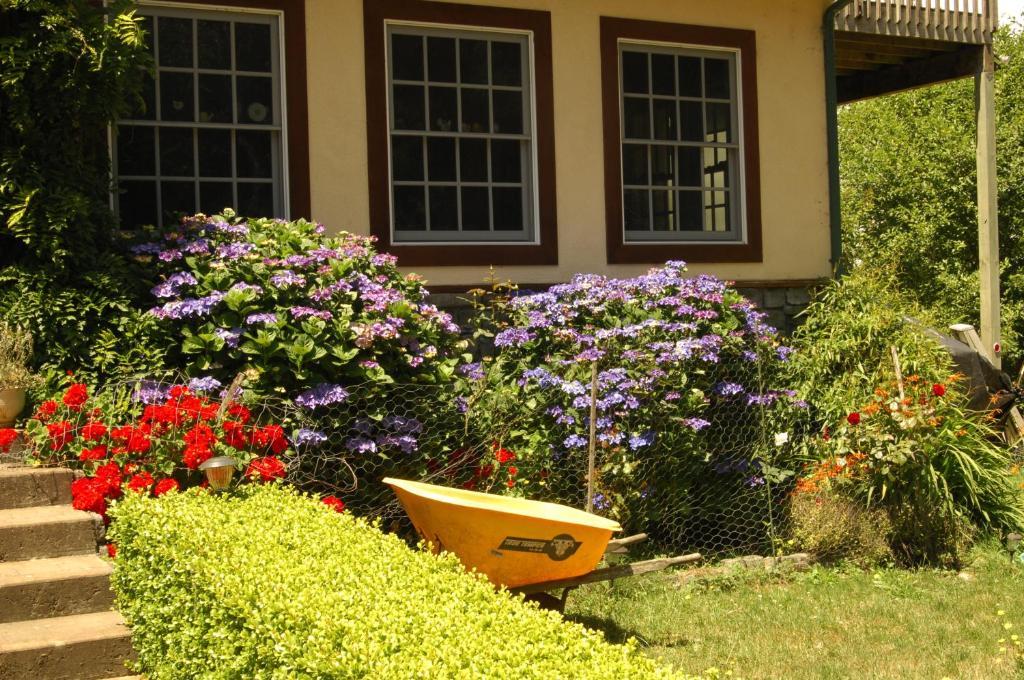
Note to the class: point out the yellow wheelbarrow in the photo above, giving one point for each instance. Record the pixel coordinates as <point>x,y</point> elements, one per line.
<point>527,546</point>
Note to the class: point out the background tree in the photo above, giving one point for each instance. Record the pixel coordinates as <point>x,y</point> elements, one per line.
<point>909,201</point>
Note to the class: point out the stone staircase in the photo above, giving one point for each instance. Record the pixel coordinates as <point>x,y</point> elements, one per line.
<point>56,621</point>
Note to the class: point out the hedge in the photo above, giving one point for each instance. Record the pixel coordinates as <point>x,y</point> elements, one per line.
<point>267,583</point>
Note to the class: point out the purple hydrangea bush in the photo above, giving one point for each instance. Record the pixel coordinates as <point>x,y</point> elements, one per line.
<point>310,313</point>
<point>687,374</point>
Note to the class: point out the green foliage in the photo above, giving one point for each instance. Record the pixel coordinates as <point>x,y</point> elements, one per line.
<point>68,69</point>
<point>298,307</point>
<point>843,348</point>
<point>836,529</point>
<point>266,583</point>
<point>909,192</point>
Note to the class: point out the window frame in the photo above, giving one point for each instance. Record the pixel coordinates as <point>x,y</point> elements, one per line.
<point>527,183</point>
<point>292,156</point>
<point>378,16</point>
<point>616,33</point>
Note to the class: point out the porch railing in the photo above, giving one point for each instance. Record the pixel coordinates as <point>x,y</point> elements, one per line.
<point>963,21</point>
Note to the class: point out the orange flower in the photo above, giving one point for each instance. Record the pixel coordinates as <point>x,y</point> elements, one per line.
<point>871,409</point>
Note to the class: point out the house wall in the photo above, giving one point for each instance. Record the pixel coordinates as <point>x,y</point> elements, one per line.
<point>791,101</point>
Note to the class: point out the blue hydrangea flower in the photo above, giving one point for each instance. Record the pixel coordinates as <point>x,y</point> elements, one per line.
<point>208,384</point>
<point>324,394</point>
<point>309,438</point>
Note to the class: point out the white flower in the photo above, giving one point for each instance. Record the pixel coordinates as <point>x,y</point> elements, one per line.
<point>781,438</point>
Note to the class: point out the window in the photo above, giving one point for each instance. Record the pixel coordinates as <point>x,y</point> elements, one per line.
<point>459,124</point>
<point>681,162</point>
<point>461,145</point>
<point>210,133</point>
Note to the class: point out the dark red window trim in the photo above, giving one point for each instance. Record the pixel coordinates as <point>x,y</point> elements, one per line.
<point>375,12</point>
<point>296,104</point>
<point>613,30</point>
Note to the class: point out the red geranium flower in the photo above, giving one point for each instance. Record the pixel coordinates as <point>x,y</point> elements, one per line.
<point>201,434</point>
<point>510,483</point>
<point>939,390</point>
<point>195,455</point>
<point>140,482</point>
<point>165,485</point>
<point>178,391</point>
<point>89,494</point>
<point>60,434</point>
<point>95,453</point>
<point>111,550</point>
<point>240,413</point>
<point>267,468</point>
<point>504,456</point>
<point>853,418</point>
<point>134,439</point>
<point>513,471</point>
<point>272,437</point>
<point>234,434</point>
<point>334,502</point>
<point>46,409</point>
<point>110,475</point>
<point>92,430</point>
<point>8,436</point>
<point>485,471</point>
<point>76,396</point>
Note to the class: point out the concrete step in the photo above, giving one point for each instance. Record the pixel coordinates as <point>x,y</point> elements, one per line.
<point>57,586</point>
<point>23,487</point>
<point>80,647</point>
<point>47,531</point>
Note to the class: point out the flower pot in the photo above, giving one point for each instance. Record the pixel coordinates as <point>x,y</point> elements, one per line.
<point>12,401</point>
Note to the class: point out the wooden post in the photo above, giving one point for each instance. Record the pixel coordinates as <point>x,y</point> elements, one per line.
<point>592,448</point>
<point>988,207</point>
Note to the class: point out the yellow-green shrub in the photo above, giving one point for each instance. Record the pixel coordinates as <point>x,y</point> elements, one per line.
<point>836,528</point>
<point>267,583</point>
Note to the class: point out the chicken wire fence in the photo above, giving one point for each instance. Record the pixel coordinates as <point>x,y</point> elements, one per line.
<point>719,490</point>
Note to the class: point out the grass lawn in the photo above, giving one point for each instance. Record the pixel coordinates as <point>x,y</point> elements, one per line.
<point>825,623</point>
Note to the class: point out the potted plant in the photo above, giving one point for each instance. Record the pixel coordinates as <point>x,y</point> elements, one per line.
<point>15,376</point>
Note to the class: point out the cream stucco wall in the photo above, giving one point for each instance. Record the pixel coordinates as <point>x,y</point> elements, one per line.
<point>792,129</point>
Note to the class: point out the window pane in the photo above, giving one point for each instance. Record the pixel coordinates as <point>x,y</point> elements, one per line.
<point>690,168</point>
<point>691,115</point>
<point>255,158</point>
<point>256,199</point>
<point>406,57</point>
<point>443,108</point>
<point>176,96</point>
<point>441,59</point>
<point>441,159</point>
<point>136,154</point>
<point>663,166</point>
<point>214,99</point>
<point>475,111</point>
<point>506,158</point>
<point>664,210</point>
<point>408,107</point>
<point>507,208</point>
<point>634,164</point>
<point>665,119</point>
<point>252,47</point>
<point>174,38</point>
<point>475,209</point>
<point>634,72</point>
<point>716,211</point>
<point>177,157</point>
<point>406,158</point>
<point>444,212</point>
<point>136,203</point>
<point>690,211</point>
<point>215,153</point>
<point>663,74</point>
<point>636,209</point>
<point>148,27</point>
<point>214,39</point>
<point>689,77</point>
<point>506,63</point>
<point>473,60</point>
<point>719,123</point>
<point>508,112</point>
<point>473,160</point>
<point>716,168</point>
<point>144,108</point>
<point>214,197</point>
<point>177,199</point>
<point>255,100</point>
<point>637,115</point>
<point>410,209</point>
<point>716,78</point>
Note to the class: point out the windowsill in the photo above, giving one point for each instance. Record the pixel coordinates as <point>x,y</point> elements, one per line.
<point>653,253</point>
